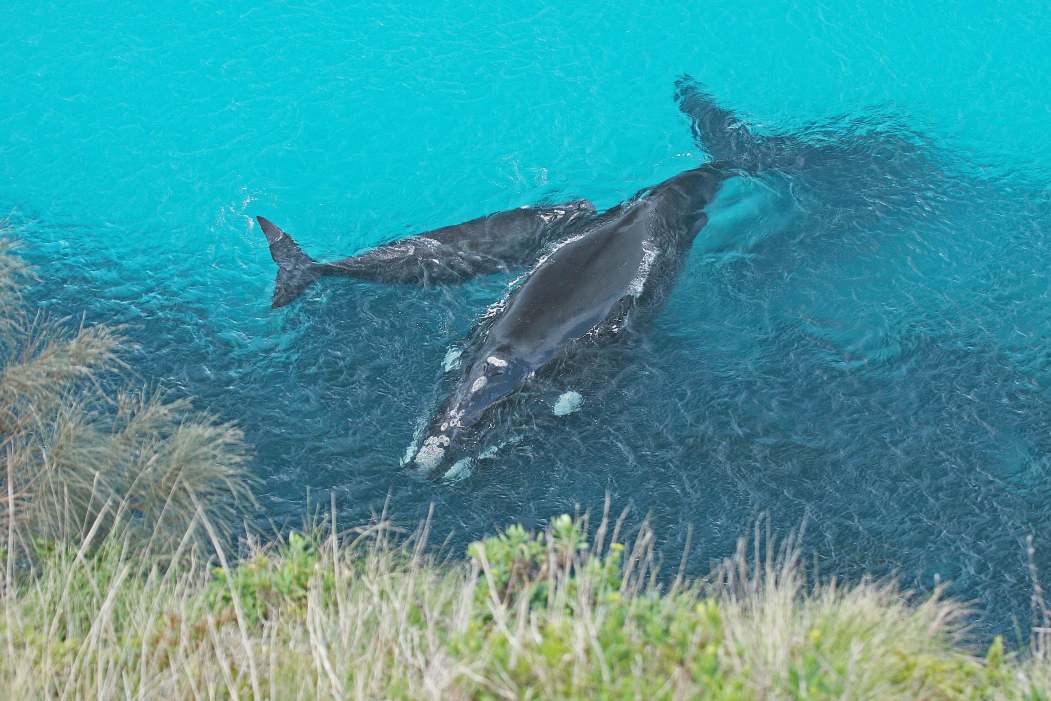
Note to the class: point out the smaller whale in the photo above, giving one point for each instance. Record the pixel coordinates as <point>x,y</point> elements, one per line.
<point>488,244</point>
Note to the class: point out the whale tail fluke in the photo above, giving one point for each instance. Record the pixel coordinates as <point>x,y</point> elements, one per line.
<point>296,270</point>
<point>720,132</point>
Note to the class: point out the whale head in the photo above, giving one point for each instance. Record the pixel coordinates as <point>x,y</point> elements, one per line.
<point>455,428</point>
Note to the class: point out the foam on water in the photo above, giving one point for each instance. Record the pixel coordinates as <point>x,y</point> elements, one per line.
<point>461,469</point>
<point>567,403</point>
<point>865,349</point>
<point>452,359</point>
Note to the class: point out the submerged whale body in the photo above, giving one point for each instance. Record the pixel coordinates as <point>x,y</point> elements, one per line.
<point>450,254</point>
<point>592,273</point>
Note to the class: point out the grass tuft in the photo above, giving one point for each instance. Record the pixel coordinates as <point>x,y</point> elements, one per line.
<point>79,457</point>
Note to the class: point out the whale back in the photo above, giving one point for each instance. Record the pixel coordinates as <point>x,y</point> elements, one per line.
<point>493,243</point>
<point>631,253</point>
<point>574,289</point>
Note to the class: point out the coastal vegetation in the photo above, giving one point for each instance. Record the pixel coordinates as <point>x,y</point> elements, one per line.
<point>126,575</point>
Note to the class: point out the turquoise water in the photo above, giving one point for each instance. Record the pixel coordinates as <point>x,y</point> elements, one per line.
<point>867,354</point>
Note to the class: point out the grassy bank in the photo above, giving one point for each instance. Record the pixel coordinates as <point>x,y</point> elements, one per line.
<point>526,616</point>
<point>117,508</point>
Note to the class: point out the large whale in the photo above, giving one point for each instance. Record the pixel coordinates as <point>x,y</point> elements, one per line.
<point>587,289</point>
<point>593,273</point>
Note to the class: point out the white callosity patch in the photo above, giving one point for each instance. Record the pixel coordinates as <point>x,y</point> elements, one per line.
<point>478,384</point>
<point>568,403</point>
<point>496,362</point>
<point>452,359</point>
<point>452,420</point>
<point>432,452</point>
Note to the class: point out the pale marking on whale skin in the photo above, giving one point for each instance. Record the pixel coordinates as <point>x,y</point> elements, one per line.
<point>430,456</point>
<point>432,452</point>
<point>649,254</point>
<point>496,362</point>
<point>478,384</point>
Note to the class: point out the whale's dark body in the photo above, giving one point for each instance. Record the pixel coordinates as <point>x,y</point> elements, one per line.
<point>592,272</point>
<point>586,289</point>
<point>487,244</point>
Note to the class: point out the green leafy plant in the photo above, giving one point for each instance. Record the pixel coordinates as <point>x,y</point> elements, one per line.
<point>517,563</point>
<point>268,581</point>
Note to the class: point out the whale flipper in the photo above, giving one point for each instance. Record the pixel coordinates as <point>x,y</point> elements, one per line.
<point>296,270</point>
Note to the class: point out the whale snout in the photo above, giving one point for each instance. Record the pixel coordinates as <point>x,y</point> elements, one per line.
<point>432,452</point>
<point>455,430</point>
<point>450,436</point>
<point>444,441</point>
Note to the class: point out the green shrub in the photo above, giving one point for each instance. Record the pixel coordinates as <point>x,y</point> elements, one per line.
<point>517,563</point>
<point>267,582</point>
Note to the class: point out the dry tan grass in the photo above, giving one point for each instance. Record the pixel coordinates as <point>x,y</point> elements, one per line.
<point>362,615</point>
<point>76,453</point>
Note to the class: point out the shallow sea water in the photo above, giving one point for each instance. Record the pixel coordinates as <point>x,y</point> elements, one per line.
<point>866,351</point>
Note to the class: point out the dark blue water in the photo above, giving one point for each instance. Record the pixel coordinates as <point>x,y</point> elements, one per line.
<point>862,346</point>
